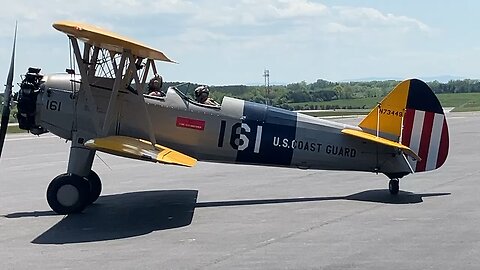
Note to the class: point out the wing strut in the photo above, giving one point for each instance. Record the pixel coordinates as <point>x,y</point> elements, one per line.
<point>83,67</point>
<point>125,72</point>
<point>121,79</point>
<point>113,97</point>
<point>139,85</point>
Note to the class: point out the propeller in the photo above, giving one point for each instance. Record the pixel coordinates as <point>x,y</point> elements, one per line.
<point>7,96</point>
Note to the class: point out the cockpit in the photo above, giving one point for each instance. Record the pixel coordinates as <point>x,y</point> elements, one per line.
<point>174,96</point>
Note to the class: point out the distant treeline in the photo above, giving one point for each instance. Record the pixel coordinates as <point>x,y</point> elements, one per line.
<point>322,90</point>
<point>286,96</point>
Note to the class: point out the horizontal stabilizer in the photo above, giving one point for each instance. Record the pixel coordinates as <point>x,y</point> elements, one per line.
<point>380,140</point>
<point>139,149</point>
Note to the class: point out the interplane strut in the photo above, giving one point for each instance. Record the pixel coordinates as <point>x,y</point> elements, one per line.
<point>128,69</point>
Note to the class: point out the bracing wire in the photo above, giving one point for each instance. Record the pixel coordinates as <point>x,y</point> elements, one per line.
<point>103,161</point>
<point>70,58</point>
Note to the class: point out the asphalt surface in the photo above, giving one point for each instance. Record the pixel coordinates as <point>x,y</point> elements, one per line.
<point>219,216</point>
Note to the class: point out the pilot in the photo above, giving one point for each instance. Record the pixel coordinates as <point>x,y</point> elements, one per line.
<point>201,96</point>
<point>155,86</point>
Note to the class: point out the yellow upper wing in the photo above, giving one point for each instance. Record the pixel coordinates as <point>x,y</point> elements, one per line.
<point>139,149</point>
<point>108,40</point>
<point>380,140</point>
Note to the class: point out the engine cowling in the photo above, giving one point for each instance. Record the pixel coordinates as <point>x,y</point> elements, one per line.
<point>26,99</point>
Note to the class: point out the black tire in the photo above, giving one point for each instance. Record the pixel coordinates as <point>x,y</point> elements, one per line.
<point>394,186</point>
<point>95,186</point>
<point>68,193</point>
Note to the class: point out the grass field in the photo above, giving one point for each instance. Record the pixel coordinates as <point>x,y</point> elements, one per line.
<point>336,113</point>
<point>461,101</point>
<point>354,103</point>
<point>464,102</point>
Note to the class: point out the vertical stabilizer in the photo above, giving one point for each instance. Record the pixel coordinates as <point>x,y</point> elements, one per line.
<point>412,115</point>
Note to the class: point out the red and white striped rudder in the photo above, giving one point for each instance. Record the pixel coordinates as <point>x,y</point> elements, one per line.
<point>425,128</point>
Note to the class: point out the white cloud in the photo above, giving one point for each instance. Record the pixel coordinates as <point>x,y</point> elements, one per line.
<point>131,8</point>
<point>290,21</point>
<point>299,8</point>
<point>222,32</point>
<point>35,17</point>
<point>250,12</point>
<point>369,18</point>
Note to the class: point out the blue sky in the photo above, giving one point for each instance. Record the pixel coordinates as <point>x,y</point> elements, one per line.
<point>221,42</point>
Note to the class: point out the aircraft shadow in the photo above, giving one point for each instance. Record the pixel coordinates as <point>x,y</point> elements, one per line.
<point>31,214</point>
<point>138,213</point>
<point>376,196</point>
<point>384,196</point>
<point>124,215</point>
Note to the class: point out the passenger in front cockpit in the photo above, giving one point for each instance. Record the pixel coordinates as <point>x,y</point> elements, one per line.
<point>155,86</point>
<point>201,96</point>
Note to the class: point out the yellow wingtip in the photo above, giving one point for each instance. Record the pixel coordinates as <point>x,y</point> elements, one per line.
<point>140,149</point>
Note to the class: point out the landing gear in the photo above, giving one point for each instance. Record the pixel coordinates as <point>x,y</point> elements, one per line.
<point>393,186</point>
<point>95,186</point>
<point>69,193</point>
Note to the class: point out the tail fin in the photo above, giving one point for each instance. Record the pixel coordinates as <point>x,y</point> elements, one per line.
<point>412,115</point>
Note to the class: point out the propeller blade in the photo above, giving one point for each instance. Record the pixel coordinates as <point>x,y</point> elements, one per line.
<point>7,96</point>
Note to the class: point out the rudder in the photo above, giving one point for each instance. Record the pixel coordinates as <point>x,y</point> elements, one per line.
<point>425,128</point>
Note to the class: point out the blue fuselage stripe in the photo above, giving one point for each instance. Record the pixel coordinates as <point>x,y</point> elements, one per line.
<point>273,123</point>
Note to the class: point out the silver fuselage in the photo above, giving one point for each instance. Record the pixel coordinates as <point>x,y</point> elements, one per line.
<point>236,132</point>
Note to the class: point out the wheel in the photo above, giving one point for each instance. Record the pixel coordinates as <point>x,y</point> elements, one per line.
<point>95,186</point>
<point>393,186</point>
<point>68,193</point>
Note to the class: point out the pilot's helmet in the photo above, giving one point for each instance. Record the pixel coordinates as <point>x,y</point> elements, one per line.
<point>155,83</point>
<point>201,90</point>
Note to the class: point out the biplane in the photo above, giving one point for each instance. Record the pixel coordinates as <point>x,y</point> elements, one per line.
<point>104,107</point>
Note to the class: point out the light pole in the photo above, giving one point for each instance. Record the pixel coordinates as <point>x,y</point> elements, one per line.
<point>266,75</point>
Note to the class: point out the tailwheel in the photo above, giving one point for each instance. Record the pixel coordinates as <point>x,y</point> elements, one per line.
<point>95,186</point>
<point>394,186</point>
<point>68,193</point>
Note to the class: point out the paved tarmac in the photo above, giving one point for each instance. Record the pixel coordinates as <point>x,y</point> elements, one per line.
<point>219,216</point>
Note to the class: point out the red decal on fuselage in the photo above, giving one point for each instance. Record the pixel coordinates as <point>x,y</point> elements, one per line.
<point>190,123</point>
